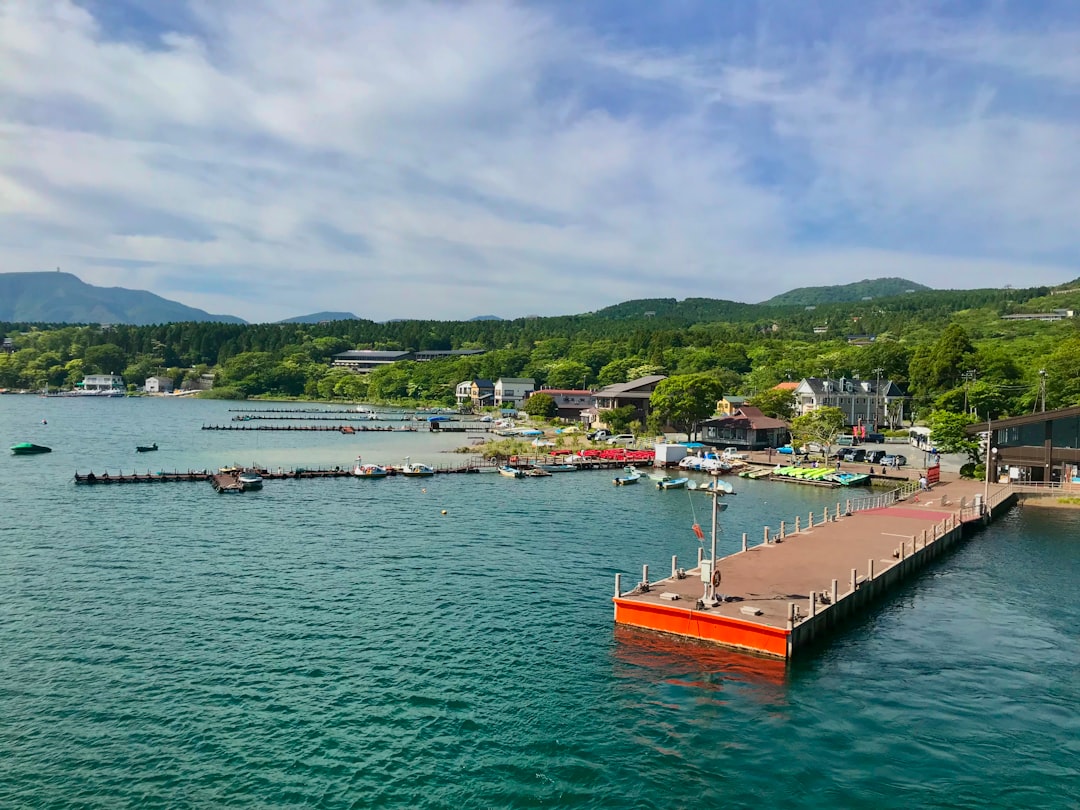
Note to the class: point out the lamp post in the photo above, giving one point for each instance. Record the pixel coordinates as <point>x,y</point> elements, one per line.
<point>877,398</point>
<point>991,452</point>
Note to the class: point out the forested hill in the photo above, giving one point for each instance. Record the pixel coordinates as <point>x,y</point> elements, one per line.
<point>64,298</point>
<point>857,291</point>
<point>689,310</point>
<point>320,317</point>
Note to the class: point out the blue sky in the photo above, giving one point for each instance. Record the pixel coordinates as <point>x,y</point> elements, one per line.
<point>268,158</point>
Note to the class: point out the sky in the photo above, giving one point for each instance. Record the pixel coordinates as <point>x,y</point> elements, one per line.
<point>410,159</point>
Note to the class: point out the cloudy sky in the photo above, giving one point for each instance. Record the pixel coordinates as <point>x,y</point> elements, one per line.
<point>267,158</point>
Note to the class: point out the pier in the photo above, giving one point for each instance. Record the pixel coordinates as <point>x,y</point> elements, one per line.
<point>317,428</point>
<point>796,582</point>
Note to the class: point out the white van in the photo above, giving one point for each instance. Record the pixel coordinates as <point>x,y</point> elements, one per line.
<point>622,438</point>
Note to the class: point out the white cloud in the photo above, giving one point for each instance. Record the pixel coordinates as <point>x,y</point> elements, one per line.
<point>441,160</point>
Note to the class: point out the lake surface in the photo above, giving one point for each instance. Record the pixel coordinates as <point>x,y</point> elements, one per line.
<point>342,643</point>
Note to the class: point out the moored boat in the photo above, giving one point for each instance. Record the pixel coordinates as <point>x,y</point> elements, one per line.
<point>632,477</point>
<point>361,470</point>
<point>672,483</point>
<point>554,468</point>
<point>510,472</point>
<point>537,472</point>
<point>28,449</point>
<point>416,470</point>
<point>249,480</point>
<point>146,448</point>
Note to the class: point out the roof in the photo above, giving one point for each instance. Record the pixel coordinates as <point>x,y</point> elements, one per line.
<point>870,386</point>
<point>1026,419</point>
<point>483,383</point>
<point>369,354</point>
<point>733,400</point>
<point>785,386</point>
<point>516,380</point>
<point>565,392</point>
<point>631,386</point>
<point>747,417</point>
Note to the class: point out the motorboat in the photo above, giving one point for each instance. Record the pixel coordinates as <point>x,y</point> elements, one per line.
<point>537,472</point>
<point>554,468</point>
<point>632,477</point>
<point>416,470</point>
<point>510,472</point>
<point>673,483</point>
<point>146,448</point>
<point>249,480</point>
<point>361,470</point>
<point>28,449</point>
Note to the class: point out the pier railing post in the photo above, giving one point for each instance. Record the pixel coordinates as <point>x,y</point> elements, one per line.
<point>618,585</point>
<point>674,565</point>
<point>838,512</point>
<point>645,575</point>
<point>848,510</point>
<point>854,578</point>
<point>783,529</point>
<point>835,590</point>
<point>791,615</point>
<point>744,541</point>
<point>902,544</point>
<point>870,569</point>
<point>766,535</point>
<point>810,521</point>
<point>813,603</point>
<point>797,524</point>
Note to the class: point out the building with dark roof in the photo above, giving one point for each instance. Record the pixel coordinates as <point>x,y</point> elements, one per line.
<point>570,402</point>
<point>634,392</point>
<point>873,403</point>
<point>367,360</point>
<point>442,354</point>
<point>747,429</point>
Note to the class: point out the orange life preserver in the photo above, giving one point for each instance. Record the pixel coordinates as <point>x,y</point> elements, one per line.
<point>716,577</point>
<point>697,530</point>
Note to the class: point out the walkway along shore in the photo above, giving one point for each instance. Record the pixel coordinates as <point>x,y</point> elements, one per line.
<point>799,581</point>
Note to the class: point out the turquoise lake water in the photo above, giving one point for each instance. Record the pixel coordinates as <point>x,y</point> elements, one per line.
<point>342,643</point>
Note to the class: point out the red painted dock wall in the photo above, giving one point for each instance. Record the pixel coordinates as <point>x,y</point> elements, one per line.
<point>704,626</point>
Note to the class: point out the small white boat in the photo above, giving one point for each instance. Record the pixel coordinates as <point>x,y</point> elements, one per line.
<point>510,472</point>
<point>537,472</point>
<point>249,480</point>
<point>632,477</point>
<point>554,468</point>
<point>416,470</point>
<point>672,483</point>
<point>361,470</point>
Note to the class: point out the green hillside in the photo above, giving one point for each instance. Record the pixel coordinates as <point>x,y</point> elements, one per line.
<point>856,291</point>
<point>64,298</point>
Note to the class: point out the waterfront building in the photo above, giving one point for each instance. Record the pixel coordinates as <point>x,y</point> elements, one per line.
<point>635,392</point>
<point>512,391</point>
<point>102,382</point>
<point>481,393</point>
<point>364,361</point>
<point>158,385</point>
<point>570,402</point>
<point>746,428</point>
<point>1035,448</point>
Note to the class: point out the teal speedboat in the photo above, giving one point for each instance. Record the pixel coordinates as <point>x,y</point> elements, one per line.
<point>28,449</point>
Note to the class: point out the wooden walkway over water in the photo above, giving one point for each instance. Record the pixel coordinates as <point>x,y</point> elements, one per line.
<point>800,580</point>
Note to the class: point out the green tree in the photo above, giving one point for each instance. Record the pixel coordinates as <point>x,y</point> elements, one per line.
<point>821,426</point>
<point>948,435</point>
<point>776,402</point>
<point>540,405</point>
<point>684,400</point>
<point>567,374</point>
<point>108,358</point>
<point>618,419</point>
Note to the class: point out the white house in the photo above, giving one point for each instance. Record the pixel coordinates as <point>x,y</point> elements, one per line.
<point>158,385</point>
<point>513,390</point>
<point>102,382</point>
<point>868,402</point>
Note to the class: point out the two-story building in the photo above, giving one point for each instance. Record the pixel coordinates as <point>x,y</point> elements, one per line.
<point>728,404</point>
<point>477,393</point>
<point>1035,448</point>
<point>635,392</point>
<point>158,385</point>
<point>863,402</point>
<point>570,402</point>
<point>512,391</point>
<point>102,382</point>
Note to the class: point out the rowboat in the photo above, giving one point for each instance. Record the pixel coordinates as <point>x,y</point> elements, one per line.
<point>510,472</point>
<point>632,477</point>
<point>554,468</point>
<point>672,483</point>
<point>146,448</point>
<point>537,472</point>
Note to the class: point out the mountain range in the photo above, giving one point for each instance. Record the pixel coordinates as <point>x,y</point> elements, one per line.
<point>65,298</point>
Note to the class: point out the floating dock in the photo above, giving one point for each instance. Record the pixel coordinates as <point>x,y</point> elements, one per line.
<point>800,581</point>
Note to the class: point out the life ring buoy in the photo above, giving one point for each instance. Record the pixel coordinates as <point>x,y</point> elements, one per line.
<point>716,577</point>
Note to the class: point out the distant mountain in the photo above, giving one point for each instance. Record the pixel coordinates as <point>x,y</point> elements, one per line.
<point>65,298</point>
<point>320,317</point>
<point>867,288</point>
<point>688,310</point>
<point>486,318</point>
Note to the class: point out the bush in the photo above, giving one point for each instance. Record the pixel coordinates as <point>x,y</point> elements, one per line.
<point>223,393</point>
<point>976,471</point>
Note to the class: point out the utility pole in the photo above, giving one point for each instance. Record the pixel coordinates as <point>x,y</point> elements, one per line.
<point>968,376</point>
<point>1042,388</point>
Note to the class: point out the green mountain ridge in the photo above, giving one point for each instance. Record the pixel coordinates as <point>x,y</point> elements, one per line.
<point>840,293</point>
<point>55,297</point>
<point>320,317</point>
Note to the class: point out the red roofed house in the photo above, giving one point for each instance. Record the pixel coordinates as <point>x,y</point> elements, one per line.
<point>747,429</point>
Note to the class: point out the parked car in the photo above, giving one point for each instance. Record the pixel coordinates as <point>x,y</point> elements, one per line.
<point>875,438</point>
<point>852,454</point>
<point>875,456</point>
<point>846,440</point>
<point>600,435</point>
<point>894,460</point>
<point>622,438</point>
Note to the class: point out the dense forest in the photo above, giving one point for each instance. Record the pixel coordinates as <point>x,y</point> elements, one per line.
<point>952,349</point>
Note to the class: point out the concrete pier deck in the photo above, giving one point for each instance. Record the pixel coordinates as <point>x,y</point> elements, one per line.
<point>783,593</point>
